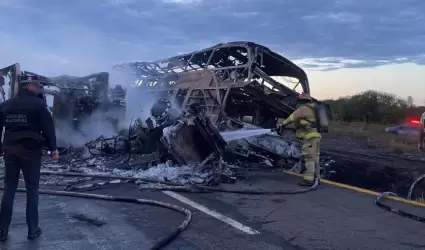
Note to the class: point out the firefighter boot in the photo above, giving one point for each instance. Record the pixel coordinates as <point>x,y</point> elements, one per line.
<point>308,178</point>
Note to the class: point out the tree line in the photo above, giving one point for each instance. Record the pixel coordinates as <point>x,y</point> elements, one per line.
<point>374,107</point>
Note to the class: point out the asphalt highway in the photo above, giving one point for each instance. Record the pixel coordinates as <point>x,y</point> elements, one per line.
<point>328,218</point>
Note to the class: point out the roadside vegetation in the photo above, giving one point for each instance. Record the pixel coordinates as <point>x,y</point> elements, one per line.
<point>374,135</point>
<point>367,114</point>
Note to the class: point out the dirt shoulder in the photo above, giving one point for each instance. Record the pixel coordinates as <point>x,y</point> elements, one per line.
<point>364,155</point>
<point>370,139</point>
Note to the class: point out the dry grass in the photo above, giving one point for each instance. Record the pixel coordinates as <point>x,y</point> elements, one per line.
<point>375,136</point>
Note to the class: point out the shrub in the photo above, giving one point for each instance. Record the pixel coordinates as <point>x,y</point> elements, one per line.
<point>374,107</point>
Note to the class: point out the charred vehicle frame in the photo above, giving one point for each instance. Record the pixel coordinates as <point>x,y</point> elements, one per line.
<point>234,79</point>
<point>233,83</point>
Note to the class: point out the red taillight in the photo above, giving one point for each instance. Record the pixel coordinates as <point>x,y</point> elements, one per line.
<point>414,121</point>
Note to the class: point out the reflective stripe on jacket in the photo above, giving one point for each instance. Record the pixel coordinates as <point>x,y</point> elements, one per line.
<point>303,117</point>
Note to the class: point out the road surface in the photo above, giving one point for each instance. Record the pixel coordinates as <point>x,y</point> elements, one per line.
<point>328,218</point>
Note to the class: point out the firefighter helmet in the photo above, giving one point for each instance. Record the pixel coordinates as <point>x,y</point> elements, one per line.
<point>305,97</point>
<point>160,109</point>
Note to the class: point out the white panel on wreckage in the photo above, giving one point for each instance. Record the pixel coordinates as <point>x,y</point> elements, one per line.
<point>2,93</point>
<point>2,99</point>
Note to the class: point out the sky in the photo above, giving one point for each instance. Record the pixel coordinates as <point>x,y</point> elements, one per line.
<point>345,46</point>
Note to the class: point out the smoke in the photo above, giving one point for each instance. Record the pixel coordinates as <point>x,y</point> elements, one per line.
<point>92,128</point>
<point>139,99</point>
<point>70,44</point>
<point>98,124</point>
<point>137,102</point>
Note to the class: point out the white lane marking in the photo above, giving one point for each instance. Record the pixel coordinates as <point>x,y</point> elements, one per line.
<point>212,213</point>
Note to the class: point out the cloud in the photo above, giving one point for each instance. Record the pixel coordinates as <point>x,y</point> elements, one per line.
<point>333,63</point>
<point>337,17</point>
<point>182,1</point>
<point>320,35</point>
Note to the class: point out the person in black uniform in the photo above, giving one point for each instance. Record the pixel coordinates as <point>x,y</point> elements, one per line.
<point>25,118</point>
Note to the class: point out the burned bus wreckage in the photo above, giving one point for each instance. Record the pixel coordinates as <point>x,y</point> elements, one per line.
<point>195,100</point>
<point>237,86</point>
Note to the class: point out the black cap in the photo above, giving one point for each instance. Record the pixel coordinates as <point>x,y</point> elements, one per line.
<point>24,80</point>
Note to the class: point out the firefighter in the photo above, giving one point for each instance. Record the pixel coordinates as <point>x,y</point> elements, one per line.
<point>164,116</point>
<point>163,112</point>
<point>24,118</point>
<point>421,133</point>
<point>304,118</point>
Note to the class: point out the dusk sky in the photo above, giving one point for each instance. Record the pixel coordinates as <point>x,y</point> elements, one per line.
<point>346,46</point>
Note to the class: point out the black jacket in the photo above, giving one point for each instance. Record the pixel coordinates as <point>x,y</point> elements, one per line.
<point>24,117</point>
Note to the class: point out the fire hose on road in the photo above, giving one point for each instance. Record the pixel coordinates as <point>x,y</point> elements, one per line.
<point>398,211</point>
<point>160,244</point>
<point>395,210</point>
